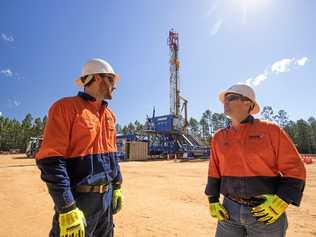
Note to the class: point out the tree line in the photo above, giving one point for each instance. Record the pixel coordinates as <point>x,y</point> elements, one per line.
<point>15,134</point>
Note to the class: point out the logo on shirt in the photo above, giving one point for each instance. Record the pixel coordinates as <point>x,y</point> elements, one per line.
<point>256,136</point>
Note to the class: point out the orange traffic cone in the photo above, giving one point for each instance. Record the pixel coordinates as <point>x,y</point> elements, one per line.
<point>309,160</point>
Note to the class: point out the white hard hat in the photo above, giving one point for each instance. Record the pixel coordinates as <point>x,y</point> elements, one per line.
<point>243,90</point>
<point>95,66</point>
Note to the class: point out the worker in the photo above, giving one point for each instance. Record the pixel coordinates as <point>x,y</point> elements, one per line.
<point>78,159</point>
<point>257,169</point>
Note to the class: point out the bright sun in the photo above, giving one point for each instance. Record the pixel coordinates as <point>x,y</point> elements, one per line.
<point>248,7</point>
<point>250,4</point>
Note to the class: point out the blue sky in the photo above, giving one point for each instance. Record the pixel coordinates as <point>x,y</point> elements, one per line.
<point>268,44</point>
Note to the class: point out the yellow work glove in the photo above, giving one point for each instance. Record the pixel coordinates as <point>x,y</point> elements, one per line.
<point>270,210</point>
<point>218,211</point>
<point>117,200</point>
<point>72,223</point>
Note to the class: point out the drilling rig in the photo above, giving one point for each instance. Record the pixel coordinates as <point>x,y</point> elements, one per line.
<point>174,65</point>
<point>168,134</point>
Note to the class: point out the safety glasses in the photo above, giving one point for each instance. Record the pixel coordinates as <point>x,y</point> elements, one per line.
<point>232,97</point>
<point>108,77</point>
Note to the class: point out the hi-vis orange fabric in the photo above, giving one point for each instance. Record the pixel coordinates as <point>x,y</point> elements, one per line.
<point>257,159</point>
<point>75,128</point>
<point>79,148</point>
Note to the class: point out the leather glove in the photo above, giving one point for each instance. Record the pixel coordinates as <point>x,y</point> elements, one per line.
<point>270,210</point>
<point>72,223</point>
<point>218,211</point>
<point>117,200</point>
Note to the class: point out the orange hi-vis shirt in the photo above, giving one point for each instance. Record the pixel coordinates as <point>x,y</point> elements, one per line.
<point>75,128</point>
<point>78,148</point>
<point>258,158</point>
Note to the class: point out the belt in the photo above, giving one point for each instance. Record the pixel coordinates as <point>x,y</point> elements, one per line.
<point>102,188</point>
<point>250,202</point>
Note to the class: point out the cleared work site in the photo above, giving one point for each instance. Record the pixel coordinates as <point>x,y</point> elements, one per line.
<point>162,198</point>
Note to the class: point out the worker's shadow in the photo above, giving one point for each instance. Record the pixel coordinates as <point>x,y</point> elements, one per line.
<point>22,158</point>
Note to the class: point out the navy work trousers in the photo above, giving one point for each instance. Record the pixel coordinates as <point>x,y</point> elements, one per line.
<point>98,213</point>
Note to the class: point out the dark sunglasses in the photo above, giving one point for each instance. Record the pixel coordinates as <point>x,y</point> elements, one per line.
<point>232,97</point>
<point>107,76</point>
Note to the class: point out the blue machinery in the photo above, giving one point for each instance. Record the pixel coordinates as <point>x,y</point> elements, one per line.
<point>168,137</point>
<point>168,134</point>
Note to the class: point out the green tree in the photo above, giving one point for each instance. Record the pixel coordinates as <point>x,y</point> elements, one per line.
<point>131,128</point>
<point>26,129</point>
<point>219,121</point>
<point>118,128</point>
<point>37,128</point>
<point>44,121</point>
<point>267,113</point>
<point>205,128</point>
<point>303,136</point>
<point>139,128</point>
<point>194,127</point>
<point>281,118</point>
<point>5,133</point>
<point>312,124</point>
<point>206,124</point>
<point>16,138</point>
<point>291,130</point>
<point>125,130</point>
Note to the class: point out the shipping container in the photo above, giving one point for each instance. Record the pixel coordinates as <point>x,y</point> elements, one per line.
<point>137,150</point>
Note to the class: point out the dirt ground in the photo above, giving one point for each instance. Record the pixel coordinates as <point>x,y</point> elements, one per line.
<point>162,198</point>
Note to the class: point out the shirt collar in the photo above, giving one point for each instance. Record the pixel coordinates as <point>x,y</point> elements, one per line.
<point>249,119</point>
<point>88,97</point>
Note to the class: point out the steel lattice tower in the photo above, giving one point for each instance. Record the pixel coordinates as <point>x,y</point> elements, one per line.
<point>173,43</point>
